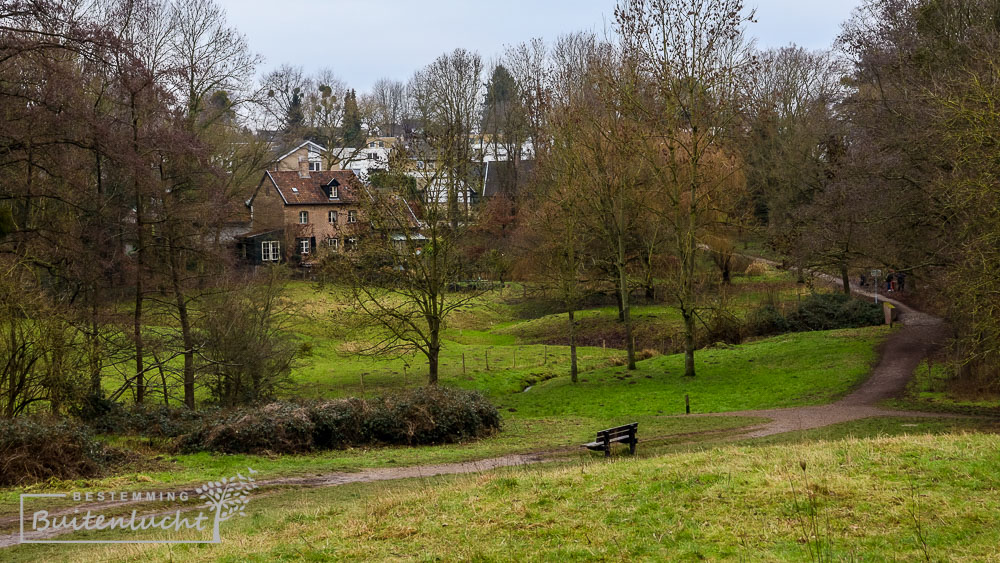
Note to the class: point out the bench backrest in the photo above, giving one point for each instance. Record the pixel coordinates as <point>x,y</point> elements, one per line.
<point>618,431</point>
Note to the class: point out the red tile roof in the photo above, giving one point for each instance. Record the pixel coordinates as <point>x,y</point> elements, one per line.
<point>298,190</point>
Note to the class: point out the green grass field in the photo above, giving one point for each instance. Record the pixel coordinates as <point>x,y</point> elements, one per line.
<point>902,498</point>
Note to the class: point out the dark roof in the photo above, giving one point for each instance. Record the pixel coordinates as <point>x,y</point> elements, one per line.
<point>299,188</point>
<point>501,177</point>
<point>261,233</point>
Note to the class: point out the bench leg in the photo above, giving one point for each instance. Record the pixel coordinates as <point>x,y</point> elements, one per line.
<point>607,447</point>
<point>631,446</point>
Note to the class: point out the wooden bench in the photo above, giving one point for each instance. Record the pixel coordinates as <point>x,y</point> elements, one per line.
<point>620,434</point>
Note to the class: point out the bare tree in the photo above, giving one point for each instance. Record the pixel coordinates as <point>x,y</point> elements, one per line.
<point>446,95</point>
<point>691,61</point>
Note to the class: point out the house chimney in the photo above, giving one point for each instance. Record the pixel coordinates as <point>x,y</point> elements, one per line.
<point>303,167</point>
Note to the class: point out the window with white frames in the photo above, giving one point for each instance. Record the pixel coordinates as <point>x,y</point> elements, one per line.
<point>304,246</point>
<point>303,217</point>
<point>331,217</point>
<point>315,166</point>
<point>334,193</point>
<point>351,244</point>
<point>352,216</point>
<point>270,251</point>
<point>373,156</point>
<point>333,243</point>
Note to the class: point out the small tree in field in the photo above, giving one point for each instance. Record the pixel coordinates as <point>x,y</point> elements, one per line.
<point>403,276</point>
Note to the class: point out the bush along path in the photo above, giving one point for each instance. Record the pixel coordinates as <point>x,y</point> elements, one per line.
<point>919,336</point>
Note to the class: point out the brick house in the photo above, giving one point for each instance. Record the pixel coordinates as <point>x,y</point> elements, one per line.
<point>299,215</point>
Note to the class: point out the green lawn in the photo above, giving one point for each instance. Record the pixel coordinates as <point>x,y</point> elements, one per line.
<point>806,368</point>
<point>901,498</point>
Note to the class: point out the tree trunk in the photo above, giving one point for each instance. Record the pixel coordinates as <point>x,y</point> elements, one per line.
<point>572,347</point>
<point>688,343</point>
<point>627,314</point>
<point>140,379</point>
<point>621,307</point>
<point>845,278</point>
<point>182,315</point>
<point>140,384</point>
<point>95,349</point>
<point>433,352</point>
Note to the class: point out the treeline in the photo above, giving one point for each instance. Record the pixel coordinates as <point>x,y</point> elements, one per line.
<point>655,151</point>
<point>124,159</point>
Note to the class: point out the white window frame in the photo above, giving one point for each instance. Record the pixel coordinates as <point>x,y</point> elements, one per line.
<point>333,243</point>
<point>303,217</point>
<point>315,165</point>
<point>352,216</point>
<point>331,217</point>
<point>334,192</point>
<point>270,251</point>
<point>304,247</point>
<point>351,244</point>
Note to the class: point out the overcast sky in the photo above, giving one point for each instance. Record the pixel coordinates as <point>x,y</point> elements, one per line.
<point>363,40</point>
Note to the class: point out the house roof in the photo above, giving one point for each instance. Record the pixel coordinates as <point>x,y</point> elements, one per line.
<point>298,188</point>
<point>313,147</point>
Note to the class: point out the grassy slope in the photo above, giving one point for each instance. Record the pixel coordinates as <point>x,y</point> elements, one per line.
<point>887,498</point>
<point>793,369</point>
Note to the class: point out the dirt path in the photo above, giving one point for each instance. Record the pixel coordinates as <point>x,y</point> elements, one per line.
<point>900,355</point>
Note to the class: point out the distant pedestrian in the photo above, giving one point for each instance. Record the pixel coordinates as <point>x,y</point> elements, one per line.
<point>889,281</point>
<point>863,280</point>
<point>901,281</point>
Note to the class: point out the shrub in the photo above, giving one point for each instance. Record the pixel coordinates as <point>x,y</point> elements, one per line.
<point>34,450</point>
<point>828,311</point>
<point>428,415</point>
<point>757,268</point>
<point>108,417</point>
<point>280,428</point>
<point>646,353</point>
<point>766,320</point>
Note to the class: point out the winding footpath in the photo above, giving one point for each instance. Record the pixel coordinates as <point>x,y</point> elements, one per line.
<point>902,352</point>
<point>920,335</point>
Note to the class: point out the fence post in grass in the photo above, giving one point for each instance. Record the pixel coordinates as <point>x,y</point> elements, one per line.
<point>687,404</point>
<point>604,345</point>
<point>487,359</point>
<point>463,363</point>
<point>545,354</point>
<point>515,358</point>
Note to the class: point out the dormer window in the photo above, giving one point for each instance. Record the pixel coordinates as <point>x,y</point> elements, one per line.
<point>333,192</point>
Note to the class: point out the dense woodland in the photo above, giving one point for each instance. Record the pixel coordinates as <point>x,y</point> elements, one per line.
<point>135,130</point>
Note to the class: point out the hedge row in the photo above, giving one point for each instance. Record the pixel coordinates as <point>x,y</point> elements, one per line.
<point>429,415</point>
